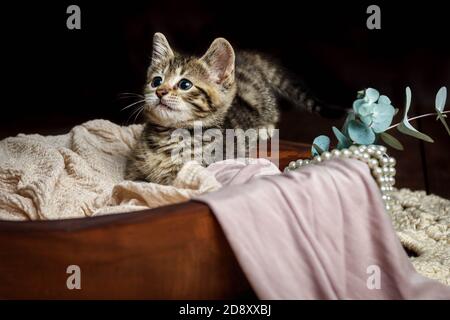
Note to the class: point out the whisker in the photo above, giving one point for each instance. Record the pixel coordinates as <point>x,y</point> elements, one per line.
<point>136,111</point>
<point>128,97</point>
<point>134,103</point>
<point>137,115</point>
<point>130,94</point>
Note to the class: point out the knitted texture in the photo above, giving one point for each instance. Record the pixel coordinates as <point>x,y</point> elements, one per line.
<point>81,174</point>
<point>422,223</point>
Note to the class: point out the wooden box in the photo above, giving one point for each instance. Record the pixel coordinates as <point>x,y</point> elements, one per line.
<point>172,252</point>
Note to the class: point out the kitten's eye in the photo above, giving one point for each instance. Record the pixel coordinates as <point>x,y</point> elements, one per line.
<point>156,82</point>
<point>184,84</point>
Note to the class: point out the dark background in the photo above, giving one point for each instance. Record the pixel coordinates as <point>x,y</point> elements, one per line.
<point>54,78</point>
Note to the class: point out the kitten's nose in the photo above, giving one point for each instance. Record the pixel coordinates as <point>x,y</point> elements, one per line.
<point>161,92</point>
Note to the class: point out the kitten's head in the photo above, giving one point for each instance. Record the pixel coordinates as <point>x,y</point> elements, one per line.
<point>181,90</point>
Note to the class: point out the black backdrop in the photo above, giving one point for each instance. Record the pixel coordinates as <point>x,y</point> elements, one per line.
<point>54,77</point>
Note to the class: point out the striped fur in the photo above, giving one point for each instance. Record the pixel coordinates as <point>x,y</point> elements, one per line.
<point>229,91</point>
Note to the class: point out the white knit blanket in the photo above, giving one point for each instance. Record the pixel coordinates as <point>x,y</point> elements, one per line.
<point>81,174</point>
<point>422,223</point>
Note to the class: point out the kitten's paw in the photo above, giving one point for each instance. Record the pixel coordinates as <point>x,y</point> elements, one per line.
<point>266,133</point>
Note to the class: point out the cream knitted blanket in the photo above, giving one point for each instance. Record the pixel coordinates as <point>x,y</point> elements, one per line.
<point>81,174</point>
<point>422,223</point>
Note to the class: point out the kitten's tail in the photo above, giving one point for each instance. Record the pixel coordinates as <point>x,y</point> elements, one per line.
<point>293,89</point>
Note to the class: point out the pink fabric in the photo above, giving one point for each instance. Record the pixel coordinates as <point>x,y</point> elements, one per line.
<point>314,233</point>
<point>234,172</point>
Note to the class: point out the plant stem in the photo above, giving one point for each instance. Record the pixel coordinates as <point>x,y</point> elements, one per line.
<point>417,117</point>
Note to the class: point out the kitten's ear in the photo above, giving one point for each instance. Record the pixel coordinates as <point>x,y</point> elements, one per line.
<point>161,49</point>
<point>220,58</point>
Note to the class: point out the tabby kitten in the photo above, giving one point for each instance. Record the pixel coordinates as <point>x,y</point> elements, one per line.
<point>220,89</point>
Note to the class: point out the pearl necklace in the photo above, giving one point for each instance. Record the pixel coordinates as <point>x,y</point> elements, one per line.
<point>381,164</point>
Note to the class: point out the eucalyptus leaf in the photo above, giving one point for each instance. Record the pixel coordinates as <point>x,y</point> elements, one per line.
<point>372,95</point>
<point>366,119</point>
<point>343,141</point>
<point>391,141</point>
<point>405,127</point>
<point>384,100</point>
<point>441,97</point>
<point>357,104</point>
<point>320,145</point>
<point>408,99</point>
<point>360,132</point>
<point>350,116</point>
<point>383,114</point>
<point>362,107</point>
